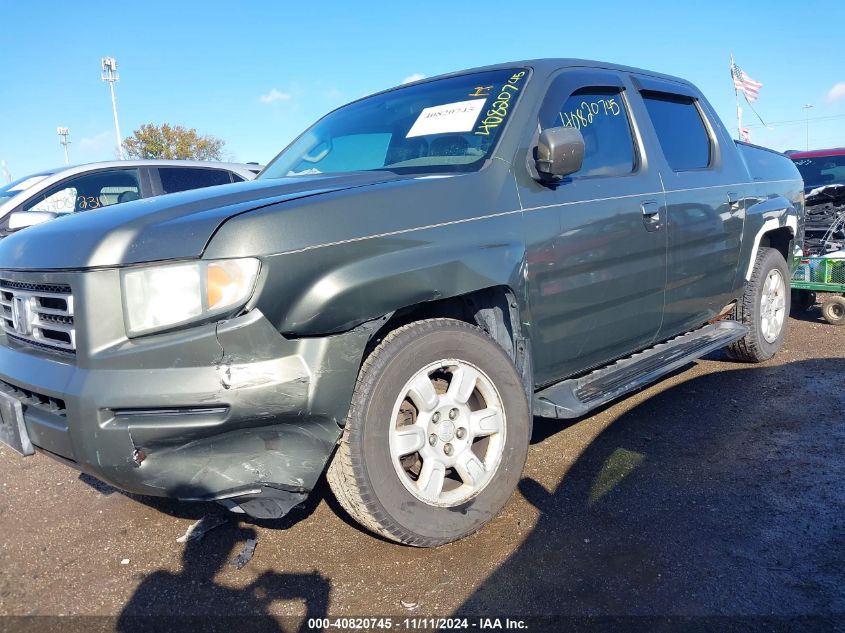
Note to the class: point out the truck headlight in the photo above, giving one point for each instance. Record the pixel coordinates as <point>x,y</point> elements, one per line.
<point>161,297</point>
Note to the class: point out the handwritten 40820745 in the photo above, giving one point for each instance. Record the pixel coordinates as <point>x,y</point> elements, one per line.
<point>499,109</point>
<point>589,111</point>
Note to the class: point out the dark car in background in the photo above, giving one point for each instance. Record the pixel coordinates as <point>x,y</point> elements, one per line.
<point>823,172</point>
<point>56,192</point>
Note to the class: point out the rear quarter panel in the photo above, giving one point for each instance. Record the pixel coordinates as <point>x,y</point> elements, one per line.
<point>778,202</point>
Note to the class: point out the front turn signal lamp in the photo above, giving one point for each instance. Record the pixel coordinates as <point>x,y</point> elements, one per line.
<point>157,298</point>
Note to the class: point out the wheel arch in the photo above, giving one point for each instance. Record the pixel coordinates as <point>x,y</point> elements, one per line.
<point>779,240</point>
<point>352,284</point>
<point>494,309</point>
<point>475,278</point>
<point>774,233</point>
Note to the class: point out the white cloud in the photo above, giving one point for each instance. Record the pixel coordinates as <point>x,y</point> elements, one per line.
<point>412,78</point>
<point>99,146</point>
<point>837,92</point>
<point>97,142</point>
<point>275,95</point>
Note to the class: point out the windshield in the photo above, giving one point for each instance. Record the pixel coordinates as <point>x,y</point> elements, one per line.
<point>9,191</point>
<point>825,170</point>
<point>439,126</point>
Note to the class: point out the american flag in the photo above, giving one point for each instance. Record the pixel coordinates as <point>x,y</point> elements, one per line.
<point>744,134</point>
<point>745,84</point>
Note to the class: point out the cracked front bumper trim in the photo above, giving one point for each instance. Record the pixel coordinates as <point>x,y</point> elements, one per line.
<point>257,426</point>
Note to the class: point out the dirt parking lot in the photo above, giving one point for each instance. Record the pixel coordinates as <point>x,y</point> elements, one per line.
<point>717,492</point>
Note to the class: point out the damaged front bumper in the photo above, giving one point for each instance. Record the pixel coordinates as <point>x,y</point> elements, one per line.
<point>231,412</point>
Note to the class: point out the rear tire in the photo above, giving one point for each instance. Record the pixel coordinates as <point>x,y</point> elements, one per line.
<point>764,308</point>
<point>436,437</point>
<point>833,310</point>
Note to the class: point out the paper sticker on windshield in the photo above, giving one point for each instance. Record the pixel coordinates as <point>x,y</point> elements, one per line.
<point>450,117</point>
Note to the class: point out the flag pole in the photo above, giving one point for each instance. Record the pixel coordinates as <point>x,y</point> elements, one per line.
<point>762,122</point>
<point>738,107</point>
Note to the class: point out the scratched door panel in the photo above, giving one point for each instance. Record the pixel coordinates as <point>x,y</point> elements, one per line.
<point>595,272</point>
<point>705,206</point>
<point>614,273</point>
<point>705,237</point>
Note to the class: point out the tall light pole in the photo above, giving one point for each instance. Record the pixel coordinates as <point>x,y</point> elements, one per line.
<point>807,107</point>
<point>110,74</point>
<point>63,132</point>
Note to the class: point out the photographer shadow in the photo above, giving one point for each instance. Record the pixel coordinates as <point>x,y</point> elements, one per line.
<point>162,597</point>
<point>712,496</point>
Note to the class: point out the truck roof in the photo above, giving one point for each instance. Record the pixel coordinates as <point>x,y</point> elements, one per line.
<point>549,64</point>
<point>818,153</point>
<point>69,170</point>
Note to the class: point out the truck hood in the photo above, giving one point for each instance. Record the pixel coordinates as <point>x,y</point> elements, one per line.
<point>834,192</point>
<point>176,226</point>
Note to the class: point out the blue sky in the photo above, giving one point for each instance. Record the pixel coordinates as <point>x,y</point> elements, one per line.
<point>257,74</point>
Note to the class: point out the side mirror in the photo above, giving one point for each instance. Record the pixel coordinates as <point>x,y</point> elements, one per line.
<point>559,152</point>
<point>22,219</point>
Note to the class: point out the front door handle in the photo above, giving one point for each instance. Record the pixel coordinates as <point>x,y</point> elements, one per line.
<point>651,215</point>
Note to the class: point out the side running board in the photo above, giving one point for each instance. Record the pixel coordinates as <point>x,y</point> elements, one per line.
<point>578,396</point>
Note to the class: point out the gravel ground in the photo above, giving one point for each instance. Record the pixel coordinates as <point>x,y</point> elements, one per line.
<point>717,492</point>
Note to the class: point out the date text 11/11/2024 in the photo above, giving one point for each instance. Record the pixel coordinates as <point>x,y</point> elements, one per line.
<point>416,624</point>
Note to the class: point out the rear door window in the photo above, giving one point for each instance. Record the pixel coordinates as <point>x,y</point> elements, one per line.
<point>174,179</point>
<point>680,130</point>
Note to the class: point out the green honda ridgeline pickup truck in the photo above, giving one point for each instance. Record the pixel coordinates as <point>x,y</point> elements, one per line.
<point>398,294</point>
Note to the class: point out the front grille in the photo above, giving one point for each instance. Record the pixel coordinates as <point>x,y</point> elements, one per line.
<point>29,398</point>
<point>27,287</point>
<point>40,315</point>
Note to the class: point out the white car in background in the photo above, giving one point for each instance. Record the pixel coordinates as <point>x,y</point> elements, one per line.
<point>56,192</point>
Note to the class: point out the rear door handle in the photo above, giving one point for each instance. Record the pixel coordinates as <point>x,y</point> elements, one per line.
<point>651,215</point>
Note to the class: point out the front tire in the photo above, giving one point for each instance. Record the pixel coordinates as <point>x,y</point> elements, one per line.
<point>764,308</point>
<point>436,437</point>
